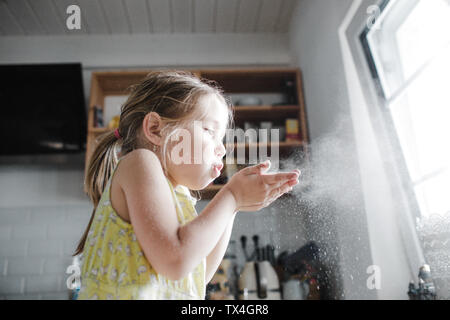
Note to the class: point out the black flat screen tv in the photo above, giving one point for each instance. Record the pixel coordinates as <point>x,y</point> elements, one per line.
<point>42,109</point>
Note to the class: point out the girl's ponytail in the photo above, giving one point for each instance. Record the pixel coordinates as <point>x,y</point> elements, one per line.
<point>101,164</point>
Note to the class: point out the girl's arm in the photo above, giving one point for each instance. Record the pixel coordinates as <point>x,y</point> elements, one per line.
<point>200,237</point>
<point>171,249</point>
<point>175,250</point>
<point>215,257</point>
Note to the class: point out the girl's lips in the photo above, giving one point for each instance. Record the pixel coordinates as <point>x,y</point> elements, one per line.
<point>217,168</point>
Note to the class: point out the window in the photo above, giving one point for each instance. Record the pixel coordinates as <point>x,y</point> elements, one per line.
<point>409,53</point>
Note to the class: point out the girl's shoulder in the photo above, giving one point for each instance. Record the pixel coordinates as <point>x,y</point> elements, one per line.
<point>140,159</point>
<point>140,154</point>
<point>140,165</point>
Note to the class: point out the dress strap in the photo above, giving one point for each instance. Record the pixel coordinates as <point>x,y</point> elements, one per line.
<point>177,203</point>
<point>108,184</point>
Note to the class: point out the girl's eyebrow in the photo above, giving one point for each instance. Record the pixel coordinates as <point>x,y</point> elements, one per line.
<point>218,125</point>
<point>216,122</point>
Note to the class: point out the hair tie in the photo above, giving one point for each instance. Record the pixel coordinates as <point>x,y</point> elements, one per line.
<point>117,134</point>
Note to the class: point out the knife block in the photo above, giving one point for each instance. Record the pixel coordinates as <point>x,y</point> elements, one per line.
<point>258,281</point>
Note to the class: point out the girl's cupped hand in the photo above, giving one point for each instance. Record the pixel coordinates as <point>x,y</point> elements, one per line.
<point>254,189</point>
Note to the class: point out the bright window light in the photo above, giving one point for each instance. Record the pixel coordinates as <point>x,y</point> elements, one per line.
<point>425,31</point>
<point>412,56</point>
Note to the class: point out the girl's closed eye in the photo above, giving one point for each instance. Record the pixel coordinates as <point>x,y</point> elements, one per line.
<point>210,131</point>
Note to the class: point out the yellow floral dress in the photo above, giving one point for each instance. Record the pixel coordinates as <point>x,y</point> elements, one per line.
<point>113,265</point>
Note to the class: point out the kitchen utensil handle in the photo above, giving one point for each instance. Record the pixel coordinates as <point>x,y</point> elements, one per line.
<point>261,281</point>
<point>268,253</point>
<point>255,241</point>
<point>272,258</point>
<point>244,241</point>
<point>244,247</point>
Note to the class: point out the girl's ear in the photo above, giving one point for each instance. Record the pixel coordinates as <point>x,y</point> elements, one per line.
<point>151,128</point>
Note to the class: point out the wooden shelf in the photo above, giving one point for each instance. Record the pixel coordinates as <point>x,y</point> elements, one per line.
<point>260,80</point>
<point>212,189</point>
<point>285,148</point>
<point>283,82</point>
<point>261,113</point>
<point>242,109</point>
<point>282,144</point>
<point>99,130</point>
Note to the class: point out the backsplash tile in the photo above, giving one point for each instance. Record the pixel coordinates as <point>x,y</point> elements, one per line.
<point>36,247</point>
<point>11,285</point>
<point>42,283</point>
<point>24,266</point>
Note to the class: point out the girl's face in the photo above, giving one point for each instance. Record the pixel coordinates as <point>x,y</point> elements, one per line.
<point>196,159</point>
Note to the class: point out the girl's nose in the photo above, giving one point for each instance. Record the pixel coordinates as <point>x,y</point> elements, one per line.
<point>220,150</point>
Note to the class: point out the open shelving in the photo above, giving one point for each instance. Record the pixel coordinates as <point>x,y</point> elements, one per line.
<point>260,82</point>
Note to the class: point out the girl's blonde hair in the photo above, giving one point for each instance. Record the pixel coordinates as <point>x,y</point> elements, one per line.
<point>173,95</point>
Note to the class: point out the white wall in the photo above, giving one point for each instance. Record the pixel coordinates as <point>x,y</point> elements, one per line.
<point>141,51</point>
<point>314,46</point>
<point>389,211</point>
<point>43,213</point>
<point>366,215</point>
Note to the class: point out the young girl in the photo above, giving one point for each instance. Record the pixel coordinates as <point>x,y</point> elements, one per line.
<point>145,239</point>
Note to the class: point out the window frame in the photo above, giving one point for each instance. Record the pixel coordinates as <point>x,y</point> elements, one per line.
<point>384,101</point>
<point>406,206</point>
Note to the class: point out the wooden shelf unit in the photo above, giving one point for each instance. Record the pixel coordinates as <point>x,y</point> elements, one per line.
<point>233,81</point>
<point>103,84</point>
<point>261,81</point>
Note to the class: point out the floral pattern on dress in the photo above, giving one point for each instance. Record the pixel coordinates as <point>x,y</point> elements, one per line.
<point>113,265</point>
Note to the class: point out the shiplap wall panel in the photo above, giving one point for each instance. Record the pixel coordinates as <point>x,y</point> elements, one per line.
<point>8,24</point>
<point>182,16</point>
<point>24,14</point>
<point>248,16</point>
<point>48,16</point>
<point>117,16</point>
<point>268,15</point>
<point>138,14</point>
<point>160,16</point>
<point>285,17</point>
<point>204,16</point>
<point>95,17</point>
<point>226,15</point>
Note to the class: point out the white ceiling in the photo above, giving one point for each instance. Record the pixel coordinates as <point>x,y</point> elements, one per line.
<point>48,17</point>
